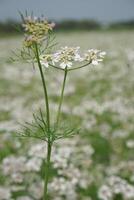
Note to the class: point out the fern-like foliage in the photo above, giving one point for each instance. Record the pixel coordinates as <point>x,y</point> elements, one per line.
<point>38,129</point>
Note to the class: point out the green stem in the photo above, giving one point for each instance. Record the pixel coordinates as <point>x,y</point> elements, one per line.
<point>71,69</point>
<point>47,170</point>
<point>49,144</point>
<point>61,98</point>
<point>44,87</point>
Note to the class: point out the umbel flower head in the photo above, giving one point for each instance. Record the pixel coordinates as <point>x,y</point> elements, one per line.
<point>36,30</point>
<point>95,56</point>
<point>66,57</point>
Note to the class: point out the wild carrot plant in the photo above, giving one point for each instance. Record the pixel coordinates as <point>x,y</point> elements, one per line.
<point>38,49</point>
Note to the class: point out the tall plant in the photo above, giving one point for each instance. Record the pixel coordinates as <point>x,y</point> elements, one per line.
<point>38,48</point>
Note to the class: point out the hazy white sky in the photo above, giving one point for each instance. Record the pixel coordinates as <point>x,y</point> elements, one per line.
<point>102,10</point>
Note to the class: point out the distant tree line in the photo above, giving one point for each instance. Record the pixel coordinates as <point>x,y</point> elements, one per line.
<point>10,27</point>
<point>122,25</point>
<point>78,25</point>
<point>70,25</point>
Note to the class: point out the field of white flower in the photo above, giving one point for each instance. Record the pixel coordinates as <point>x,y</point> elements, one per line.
<point>98,163</point>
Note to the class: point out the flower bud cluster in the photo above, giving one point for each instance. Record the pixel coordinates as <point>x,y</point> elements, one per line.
<point>67,56</point>
<point>36,29</point>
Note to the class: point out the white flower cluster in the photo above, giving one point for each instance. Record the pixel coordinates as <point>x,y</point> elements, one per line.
<point>67,56</point>
<point>63,187</point>
<point>116,186</point>
<point>130,144</point>
<point>15,167</point>
<point>22,170</point>
<point>5,193</point>
<point>94,56</point>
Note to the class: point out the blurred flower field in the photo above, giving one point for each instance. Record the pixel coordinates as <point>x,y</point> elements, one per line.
<point>98,163</point>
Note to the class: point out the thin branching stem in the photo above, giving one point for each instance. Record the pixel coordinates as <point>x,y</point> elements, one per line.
<point>61,98</point>
<point>71,69</point>
<point>44,87</point>
<point>54,66</point>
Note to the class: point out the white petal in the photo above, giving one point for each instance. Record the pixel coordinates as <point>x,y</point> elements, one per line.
<point>63,65</point>
<point>69,64</point>
<point>99,60</point>
<point>102,54</point>
<point>55,60</point>
<point>77,57</point>
<point>95,62</point>
<point>45,64</point>
<point>90,50</point>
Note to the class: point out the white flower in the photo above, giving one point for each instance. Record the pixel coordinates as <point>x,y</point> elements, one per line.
<point>13,164</point>
<point>130,144</point>
<point>45,59</point>
<point>45,63</point>
<point>128,192</point>
<point>36,189</point>
<point>102,54</point>
<point>17,177</point>
<point>38,151</point>
<point>105,193</point>
<point>5,193</point>
<point>65,64</point>
<point>33,164</point>
<point>95,62</point>
<point>77,57</point>
<point>67,56</point>
<point>24,198</point>
<point>56,57</point>
<point>94,56</point>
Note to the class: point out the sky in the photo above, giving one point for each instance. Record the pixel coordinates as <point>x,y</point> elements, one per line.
<point>101,10</point>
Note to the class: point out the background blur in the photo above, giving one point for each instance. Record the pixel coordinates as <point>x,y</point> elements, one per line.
<point>76,14</point>
<point>97,164</point>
